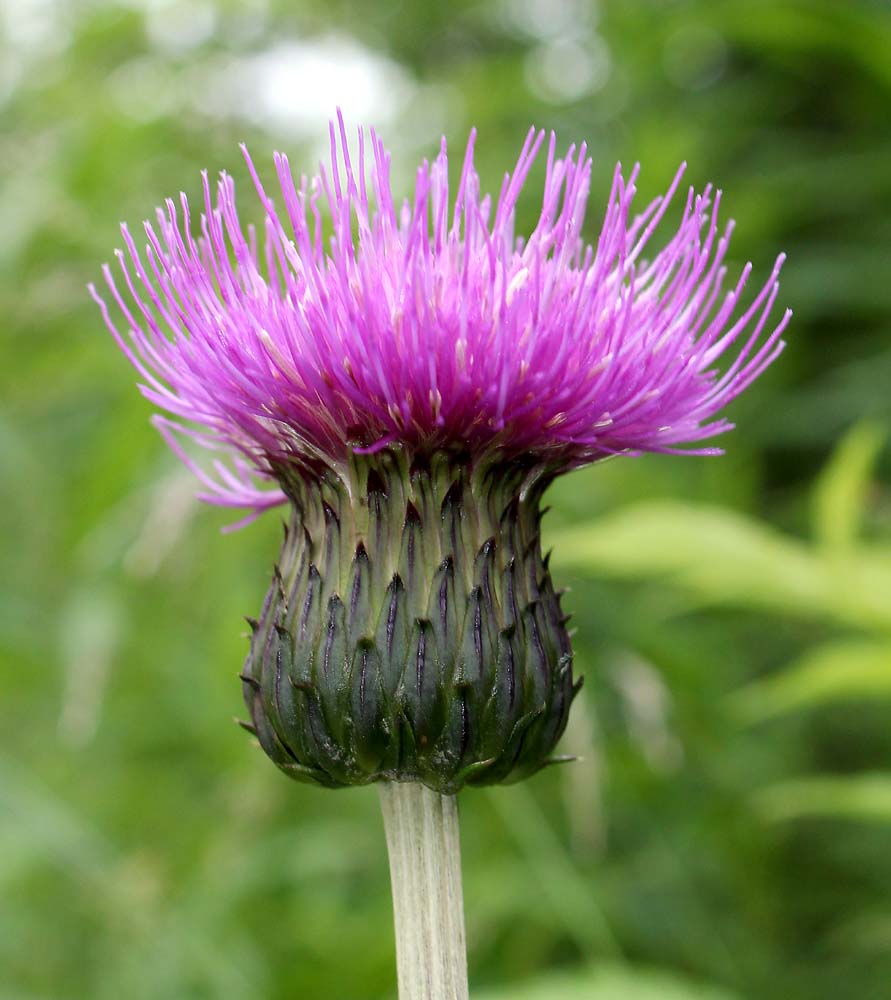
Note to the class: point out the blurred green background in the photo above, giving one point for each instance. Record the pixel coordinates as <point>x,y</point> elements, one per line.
<point>727,832</point>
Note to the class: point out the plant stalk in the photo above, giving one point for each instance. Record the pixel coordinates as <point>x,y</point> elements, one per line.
<point>428,906</point>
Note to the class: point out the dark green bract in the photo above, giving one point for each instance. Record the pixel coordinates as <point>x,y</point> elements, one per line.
<point>412,631</point>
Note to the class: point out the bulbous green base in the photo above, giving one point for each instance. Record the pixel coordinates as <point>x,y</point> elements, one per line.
<point>411,631</point>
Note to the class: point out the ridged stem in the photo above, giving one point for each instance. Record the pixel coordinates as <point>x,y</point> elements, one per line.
<point>428,907</point>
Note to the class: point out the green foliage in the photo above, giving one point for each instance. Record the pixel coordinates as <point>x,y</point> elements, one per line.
<point>725,831</point>
<point>608,983</point>
<point>719,556</point>
<point>842,669</point>
<point>842,490</point>
<point>864,797</point>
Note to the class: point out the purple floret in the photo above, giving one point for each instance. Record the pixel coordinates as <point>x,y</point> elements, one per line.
<point>432,326</point>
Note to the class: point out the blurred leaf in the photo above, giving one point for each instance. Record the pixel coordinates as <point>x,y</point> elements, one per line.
<point>38,828</point>
<point>838,670</point>
<point>609,982</point>
<point>841,490</point>
<point>865,931</point>
<point>865,797</point>
<point>725,558</point>
<point>548,862</point>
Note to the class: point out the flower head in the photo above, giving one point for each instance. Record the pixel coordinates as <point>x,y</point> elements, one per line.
<point>432,325</point>
<point>413,383</point>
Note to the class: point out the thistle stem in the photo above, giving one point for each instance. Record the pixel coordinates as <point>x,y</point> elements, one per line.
<point>425,871</point>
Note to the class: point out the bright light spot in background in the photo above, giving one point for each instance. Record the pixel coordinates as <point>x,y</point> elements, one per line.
<point>570,60</point>
<point>30,30</point>
<point>292,89</point>
<point>549,18</point>
<point>567,70</point>
<point>33,25</point>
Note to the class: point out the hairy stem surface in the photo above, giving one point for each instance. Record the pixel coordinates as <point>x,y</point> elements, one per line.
<point>428,907</point>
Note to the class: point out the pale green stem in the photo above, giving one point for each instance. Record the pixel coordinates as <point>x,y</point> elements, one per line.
<point>428,906</point>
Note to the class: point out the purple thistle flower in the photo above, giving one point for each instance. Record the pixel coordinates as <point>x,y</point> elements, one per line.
<point>438,328</point>
<point>412,385</point>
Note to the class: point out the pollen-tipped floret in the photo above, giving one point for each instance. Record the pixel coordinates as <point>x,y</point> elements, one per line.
<point>432,326</point>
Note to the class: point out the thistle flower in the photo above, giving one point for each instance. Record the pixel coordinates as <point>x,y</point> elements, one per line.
<point>411,385</point>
